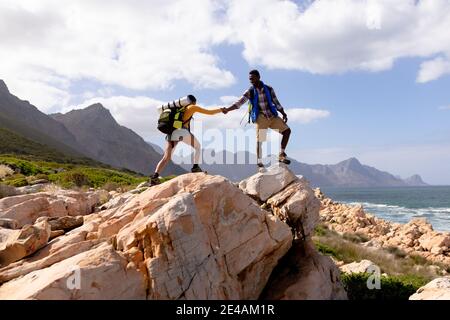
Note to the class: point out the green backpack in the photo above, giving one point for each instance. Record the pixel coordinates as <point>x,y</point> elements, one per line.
<point>171,117</point>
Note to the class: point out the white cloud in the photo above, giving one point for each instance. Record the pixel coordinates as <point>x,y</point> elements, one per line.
<point>133,44</point>
<point>433,69</point>
<point>341,35</point>
<point>307,115</point>
<point>228,100</point>
<point>142,45</point>
<point>444,107</point>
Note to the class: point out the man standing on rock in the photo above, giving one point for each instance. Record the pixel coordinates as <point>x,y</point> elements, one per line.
<point>264,108</point>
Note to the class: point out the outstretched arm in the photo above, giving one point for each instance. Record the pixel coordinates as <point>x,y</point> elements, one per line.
<point>193,109</point>
<point>240,102</point>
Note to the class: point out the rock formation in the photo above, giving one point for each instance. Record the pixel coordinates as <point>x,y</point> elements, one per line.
<point>303,273</point>
<point>194,237</point>
<point>438,289</point>
<point>26,209</point>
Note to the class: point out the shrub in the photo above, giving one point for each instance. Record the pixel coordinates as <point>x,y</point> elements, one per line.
<point>7,191</point>
<point>326,250</point>
<point>18,182</point>
<point>320,230</point>
<point>41,176</point>
<point>76,178</point>
<point>111,186</point>
<point>391,287</point>
<point>21,166</point>
<point>396,251</point>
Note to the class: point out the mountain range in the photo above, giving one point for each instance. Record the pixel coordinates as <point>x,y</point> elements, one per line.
<point>94,133</point>
<point>347,173</point>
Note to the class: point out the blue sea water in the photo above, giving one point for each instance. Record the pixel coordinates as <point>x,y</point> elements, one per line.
<point>400,204</point>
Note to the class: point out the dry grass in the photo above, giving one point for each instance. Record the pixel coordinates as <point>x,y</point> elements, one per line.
<point>51,188</point>
<point>392,261</point>
<point>5,171</point>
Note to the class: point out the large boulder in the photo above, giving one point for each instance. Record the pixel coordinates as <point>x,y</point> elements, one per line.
<point>304,274</point>
<point>21,243</point>
<point>297,206</point>
<point>435,242</point>
<point>194,237</point>
<point>438,289</point>
<point>100,273</point>
<point>288,196</point>
<point>265,184</point>
<point>26,209</point>
<point>207,240</point>
<point>362,266</point>
<point>63,223</point>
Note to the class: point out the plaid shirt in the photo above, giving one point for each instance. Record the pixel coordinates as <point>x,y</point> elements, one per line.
<point>262,101</point>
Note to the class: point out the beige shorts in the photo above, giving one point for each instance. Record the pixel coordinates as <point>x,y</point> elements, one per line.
<point>262,124</point>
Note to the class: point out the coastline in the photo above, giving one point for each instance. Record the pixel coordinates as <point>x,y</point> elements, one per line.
<point>417,237</point>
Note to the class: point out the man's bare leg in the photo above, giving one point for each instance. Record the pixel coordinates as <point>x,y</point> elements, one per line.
<point>195,144</point>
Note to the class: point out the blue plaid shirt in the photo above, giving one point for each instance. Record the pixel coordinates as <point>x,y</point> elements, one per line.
<point>262,101</point>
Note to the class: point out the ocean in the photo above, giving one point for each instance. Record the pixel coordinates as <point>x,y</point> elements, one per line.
<point>400,204</point>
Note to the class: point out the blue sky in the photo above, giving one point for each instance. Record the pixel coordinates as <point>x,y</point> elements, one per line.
<point>359,78</point>
<point>384,113</point>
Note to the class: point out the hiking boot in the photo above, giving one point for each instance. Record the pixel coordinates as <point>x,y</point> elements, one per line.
<point>283,158</point>
<point>261,167</point>
<point>154,180</point>
<point>196,168</point>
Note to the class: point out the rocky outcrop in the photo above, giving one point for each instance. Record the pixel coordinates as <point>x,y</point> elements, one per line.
<point>194,237</point>
<point>63,223</point>
<point>415,237</point>
<point>18,244</point>
<point>303,273</point>
<point>289,197</point>
<point>26,209</point>
<point>100,273</point>
<point>438,289</point>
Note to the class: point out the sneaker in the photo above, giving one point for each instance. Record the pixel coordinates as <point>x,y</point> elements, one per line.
<point>283,158</point>
<point>261,167</point>
<point>196,168</point>
<point>154,180</point>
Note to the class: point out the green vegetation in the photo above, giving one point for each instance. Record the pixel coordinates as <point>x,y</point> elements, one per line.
<point>67,175</point>
<point>391,287</point>
<point>94,177</point>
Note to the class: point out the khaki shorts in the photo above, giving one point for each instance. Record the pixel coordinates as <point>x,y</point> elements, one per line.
<point>262,124</point>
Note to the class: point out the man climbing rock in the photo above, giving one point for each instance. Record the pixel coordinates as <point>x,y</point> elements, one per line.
<point>264,108</point>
